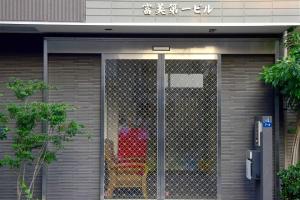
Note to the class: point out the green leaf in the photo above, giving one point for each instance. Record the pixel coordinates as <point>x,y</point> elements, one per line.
<point>292,130</point>
<point>284,75</point>
<point>3,133</point>
<point>74,128</point>
<point>9,161</point>
<point>3,129</point>
<point>49,157</point>
<point>58,114</point>
<point>25,188</point>
<point>57,141</point>
<point>24,89</point>
<point>290,182</point>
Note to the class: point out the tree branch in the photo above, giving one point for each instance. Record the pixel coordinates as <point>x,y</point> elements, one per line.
<point>35,172</point>
<point>19,190</point>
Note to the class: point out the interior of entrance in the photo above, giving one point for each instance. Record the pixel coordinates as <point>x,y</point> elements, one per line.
<point>190,127</point>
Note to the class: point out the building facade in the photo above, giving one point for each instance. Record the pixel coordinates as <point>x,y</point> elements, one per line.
<point>172,85</point>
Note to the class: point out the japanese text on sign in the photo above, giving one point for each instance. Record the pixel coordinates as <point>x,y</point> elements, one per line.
<point>174,9</point>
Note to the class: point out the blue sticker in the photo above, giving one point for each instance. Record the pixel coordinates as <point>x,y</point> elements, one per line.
<point>267,123</point>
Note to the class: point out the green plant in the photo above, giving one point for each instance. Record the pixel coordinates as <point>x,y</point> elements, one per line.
<point>33,148</point>
<point>284,75</point>
<point>290,182</point>
<point>3,127</point>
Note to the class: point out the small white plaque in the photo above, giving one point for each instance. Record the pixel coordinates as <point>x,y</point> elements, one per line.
<point>186,80</point>
<point>161,48</point>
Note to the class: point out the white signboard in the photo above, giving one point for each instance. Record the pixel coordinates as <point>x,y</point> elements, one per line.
<point>174,9</point>
<point>184,80</point>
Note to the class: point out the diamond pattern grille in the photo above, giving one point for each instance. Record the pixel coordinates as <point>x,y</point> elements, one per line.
<point>131,114</point>
<point>191,132</point>
<point>131,129</point>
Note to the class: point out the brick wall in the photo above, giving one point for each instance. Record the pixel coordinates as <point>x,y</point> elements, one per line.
<point>76,174</point>
<point>243,97</point>
<point>23,66</point>
<point>42,10</point>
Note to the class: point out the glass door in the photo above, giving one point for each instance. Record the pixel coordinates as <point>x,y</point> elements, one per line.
<point>160,126</point>
<point>191,126</point>
<point>130,126</point>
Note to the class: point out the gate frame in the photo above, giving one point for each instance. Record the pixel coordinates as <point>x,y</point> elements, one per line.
<point>218,46</point>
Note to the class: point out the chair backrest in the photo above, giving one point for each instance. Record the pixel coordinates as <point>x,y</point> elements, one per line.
<point>132,145</point>
<point>109,153</point>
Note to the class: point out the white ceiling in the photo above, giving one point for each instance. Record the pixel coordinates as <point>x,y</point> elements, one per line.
<point>178,28</point>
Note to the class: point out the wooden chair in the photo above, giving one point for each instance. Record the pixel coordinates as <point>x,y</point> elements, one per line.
<point>127,169</point>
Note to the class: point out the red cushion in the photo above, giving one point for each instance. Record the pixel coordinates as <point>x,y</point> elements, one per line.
<point>132,145</point>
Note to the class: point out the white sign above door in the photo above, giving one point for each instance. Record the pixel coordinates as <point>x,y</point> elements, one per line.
<point>175,9</point>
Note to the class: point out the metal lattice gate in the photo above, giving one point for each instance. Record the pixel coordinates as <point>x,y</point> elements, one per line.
<point>160,143</point>
<point>191,129</point>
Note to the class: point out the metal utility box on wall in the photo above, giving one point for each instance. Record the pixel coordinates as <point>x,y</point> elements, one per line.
<point>259,162</point>
<point>253,165</point>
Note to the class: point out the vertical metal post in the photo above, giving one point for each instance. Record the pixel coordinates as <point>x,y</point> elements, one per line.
<point>277,127</point>
<point>102,128</point>
<point>44,125</point>
<point>284,48</point>
<point>277,141</point>
<point>161,127</point>
<point>267,181</point>
<point>219,89</point>
<point>284,113</point>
